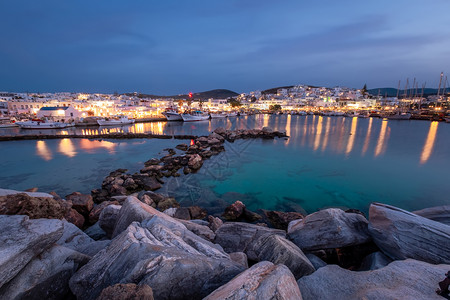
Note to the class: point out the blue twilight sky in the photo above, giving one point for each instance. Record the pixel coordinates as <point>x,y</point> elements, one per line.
<point>170,47</point>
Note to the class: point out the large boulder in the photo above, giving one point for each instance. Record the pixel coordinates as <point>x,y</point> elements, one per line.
<point>195,162</point>
<point>329,228</point>
<point>108,218</point>
<point>438,213</point>
<point>22,239</point>
<point>409,279</point>
<point>75,239</point>
<point>34,207</point>
<point>200,230</point>
<point>156,255</point>
<point>134,210</point>
<point>239,237</point>
<point>401,234</point>
<point>281,220</point>
<point>94,214</point>
<point>129,291</point>
<point>278,250</point>
<point>262,281</point>
<point>81,203</point>
<point>234,211</point>
<point>46,276</point>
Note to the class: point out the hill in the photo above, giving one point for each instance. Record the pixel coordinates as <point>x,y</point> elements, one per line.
<point>216,94</point>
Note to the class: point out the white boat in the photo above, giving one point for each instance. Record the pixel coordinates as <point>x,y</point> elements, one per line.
<point>172,115</point>
<point>232,114</point>
<point>241,114</point>
<point>42,124</point>
<point>115,121</point>
<point>363,115</point>
<point>399,116</point>
<point>195,116</point>
<point>218,115</point>
<point>7,122</point>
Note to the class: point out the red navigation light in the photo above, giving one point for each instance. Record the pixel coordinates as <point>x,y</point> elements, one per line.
<point>190,94</point>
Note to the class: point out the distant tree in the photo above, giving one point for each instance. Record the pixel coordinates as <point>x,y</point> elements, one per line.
<point>275,107</point>
<point>90,113</point>
<point>180,103</point>
<point>364,89</point>
<point>234,102</point>
<point>253,99</point>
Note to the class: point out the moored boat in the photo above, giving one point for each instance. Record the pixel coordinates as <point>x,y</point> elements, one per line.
<point>42,124</point>
<point>232,114</point>
<point>218,115</point>
<point>7,122</point>
<point>115,121</point>
<point>195,116</point>
<point>172,115</point>
<point>399,116</point>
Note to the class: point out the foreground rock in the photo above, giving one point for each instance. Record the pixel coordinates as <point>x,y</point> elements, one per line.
<point>34,207</point>
<point>262,281</point>
<point>401,234</point>
<point>409,279</point>
<point>128,291</point>
<point>22,239</point>
<point>329,228</point>
<point>438,213</point>
<point>279,250</point>
<point>6,192</point>
<point>374,261</point>
<point>159,258</point>
<point>239,237</point>
<point>46,276</point>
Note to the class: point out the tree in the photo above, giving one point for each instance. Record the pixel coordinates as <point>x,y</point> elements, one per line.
<point>234,103</point>
<point>364,89</point>
<point>276,107</point>
<point>180,103</point>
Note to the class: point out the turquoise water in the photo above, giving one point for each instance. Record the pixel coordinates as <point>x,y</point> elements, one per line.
<point>327,161</point>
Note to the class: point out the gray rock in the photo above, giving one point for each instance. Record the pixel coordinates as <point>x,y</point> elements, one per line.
<point>240,258</point>
<point>438,213</point>
<point>408,279</point>
<point>46,276</point>
<point>129,291</point>
<point>182,213</point>
<point>170,211</point>
<point>160,259</point>
<point>329,228</point>
<point>401,234</point>
<point>21,239</point>
<point>200,222</point>
<point>374,261</point>
<point>315,261</point>
<point>134,210</point>
<point>108,218</point>
<point>6,192</point>
<point>75,239</point>
<point>278,250</point>
<point>238,237</point>
<point>200,230</point>
<point>214,223</point>
<point>95,232</point>
<point>262,281</point>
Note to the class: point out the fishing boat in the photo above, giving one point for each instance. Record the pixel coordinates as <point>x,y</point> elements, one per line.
<point>42,124</point>
<point>172,115</point>
<point>115,121</point>
<point>218,115</point>
<point>195,116</point>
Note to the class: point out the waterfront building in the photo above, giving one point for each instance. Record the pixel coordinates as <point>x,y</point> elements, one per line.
<point>62,114</point>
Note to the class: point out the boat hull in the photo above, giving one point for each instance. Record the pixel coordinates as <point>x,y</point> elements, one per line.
<point>406,116</point>
<point>115,122</point>
<point>193,118</point>
<point>170,116</point>
<point>41,125</point>
<point>218,116</point>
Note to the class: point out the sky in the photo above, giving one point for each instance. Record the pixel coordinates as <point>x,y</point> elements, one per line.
<point>173,47</point>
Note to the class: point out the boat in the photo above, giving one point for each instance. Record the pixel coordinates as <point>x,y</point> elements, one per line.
<point>172,115</point>
<point>241,114</point>
<point>447,119</point>
<point>115,121</point>
<point>232,114</point>
<point>195,116</point>
<point>218,115</point>
<point>42,124</point>
<point>363,115</point>
<point>399,116</point>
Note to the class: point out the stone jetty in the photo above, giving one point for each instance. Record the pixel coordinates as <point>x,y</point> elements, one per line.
<point>127,241</point>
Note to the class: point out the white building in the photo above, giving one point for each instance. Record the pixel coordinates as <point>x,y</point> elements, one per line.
<point>62,114</point>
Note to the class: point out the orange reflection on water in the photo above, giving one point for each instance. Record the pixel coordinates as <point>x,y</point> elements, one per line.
<point>318,133</point>
<point>429,143</point>
<point>340,145</point>
<point>327,133</point>
<point>43,151</point>
<point>67,148</point>
<point>266,120</point>
<point>89,146</point>
<point>288,128</point>
<point>367,140</point>
<point>351,140</point>
<point>381,139</point>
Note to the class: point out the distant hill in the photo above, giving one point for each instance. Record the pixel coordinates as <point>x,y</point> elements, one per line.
<point>392,92</point>
<point>216,94</point>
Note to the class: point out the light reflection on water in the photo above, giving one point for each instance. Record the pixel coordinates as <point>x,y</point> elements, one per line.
<point>327,160</point>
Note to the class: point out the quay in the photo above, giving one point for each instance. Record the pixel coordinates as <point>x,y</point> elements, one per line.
<point>118,135</point>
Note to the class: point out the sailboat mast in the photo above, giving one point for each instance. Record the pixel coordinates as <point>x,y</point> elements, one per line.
<point>440,81</point>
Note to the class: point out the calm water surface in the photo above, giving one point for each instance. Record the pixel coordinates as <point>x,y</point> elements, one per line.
<point>327,161</point>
